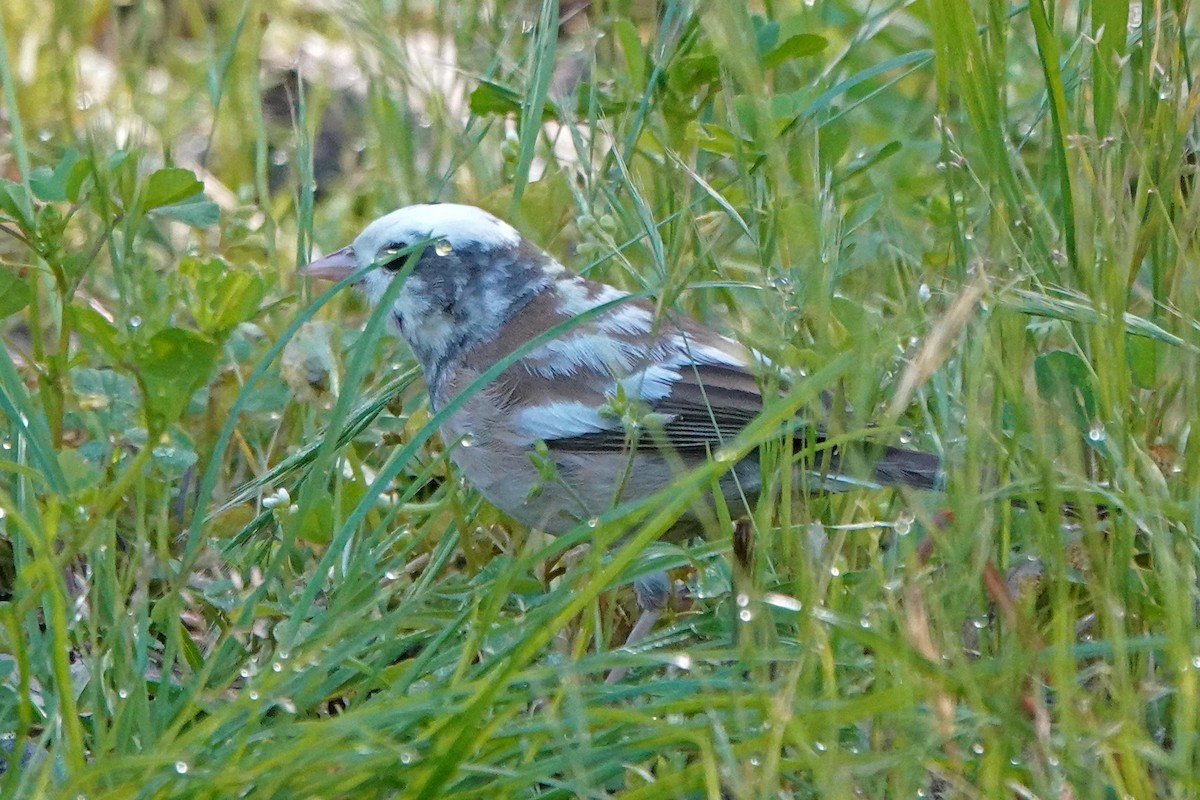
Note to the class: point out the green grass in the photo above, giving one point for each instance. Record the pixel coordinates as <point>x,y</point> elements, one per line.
<point>235,559</point>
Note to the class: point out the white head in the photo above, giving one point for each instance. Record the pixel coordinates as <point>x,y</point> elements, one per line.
<point>473,274</point>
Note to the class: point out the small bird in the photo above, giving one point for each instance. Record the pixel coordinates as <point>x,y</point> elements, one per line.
<point>480,291</point>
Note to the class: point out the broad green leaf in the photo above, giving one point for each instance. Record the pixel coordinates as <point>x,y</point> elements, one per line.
<point>50,185</point>
<point>169,186</point>
<point>197,211</point>
<point>691,72</point>
<point>79,471</point>
<point>631,47</point>
<point>1143,358</point>
<point>766,34</point>
<point>174,453</point>
<point>316,525</point>
<point>489,98</point>
<point>15,293</point>
<point>81,170</point>
<point>798,46</point>
<point>14,201</point>
<point>1064,380</point>
<point>871,159</point>
<point>239,299</point>
<point>1109,21</point>
<point>172,365</point>
<point>95,331</point>
<point>225,296</point>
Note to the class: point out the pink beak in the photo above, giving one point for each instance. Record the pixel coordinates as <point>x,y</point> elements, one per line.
<point>333,267</point>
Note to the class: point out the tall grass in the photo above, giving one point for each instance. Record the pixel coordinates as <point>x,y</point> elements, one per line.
<point>235,558</point>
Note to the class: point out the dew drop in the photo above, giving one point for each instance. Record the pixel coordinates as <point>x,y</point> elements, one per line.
<point>181,767</point>
<point>903,524</point>
<point>834,571</point>
<point>745,615</point>
<point>906,436</point>
<point>682,660</point>
<point>819,747</point>
<point>784,601</point>
<point>977,748</point>
<point>467,440</point>
<point>593,522</point>
<point>122,693</point>
<point>443,248</point>
<point>135,321</point>
<point>252,694</point>
<point>1096,432</point>
<point>743,600</point>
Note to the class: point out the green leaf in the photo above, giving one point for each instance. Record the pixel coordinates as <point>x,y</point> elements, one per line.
<point>15,293</point>
<point>14,201</point>
<point>801,45</point>
<point>79,472</point>
<point>491,98</point>
<point>691,72</point>
<point>174,453</point>
<point>766,33</point>
<point>81,170</point>
<point>316,525</point>
<point>714,138</point>
<point>113,397</point>
<point>239,299</point>
<point>224,296</point>
<point>1108,25</point>
<point>1064,380</point>
<point>631,47</point>
<point>197,211</point>
<point>1143,358</point>
<point>51,185</point>
<point>871,159</point>
<point>169,186</point>
<point>172,365</point>
<point>95,332</point>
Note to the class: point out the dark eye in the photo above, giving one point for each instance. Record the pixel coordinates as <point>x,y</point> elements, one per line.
<point>391,249</point>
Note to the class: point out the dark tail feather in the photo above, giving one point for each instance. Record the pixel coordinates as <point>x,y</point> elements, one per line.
<point>862,464</point>
<point>898,467</point>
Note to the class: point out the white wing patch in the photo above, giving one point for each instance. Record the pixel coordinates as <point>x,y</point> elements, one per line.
<point>628,319</point>
<point>593,352</point>
<point>560,419</point>
<point>578,296</point>
<point>651,384</point>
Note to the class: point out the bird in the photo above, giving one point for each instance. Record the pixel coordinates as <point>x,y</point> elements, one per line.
<point>479,291</point>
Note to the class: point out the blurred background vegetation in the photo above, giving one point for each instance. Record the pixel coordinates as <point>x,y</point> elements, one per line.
<point>234,560</point>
